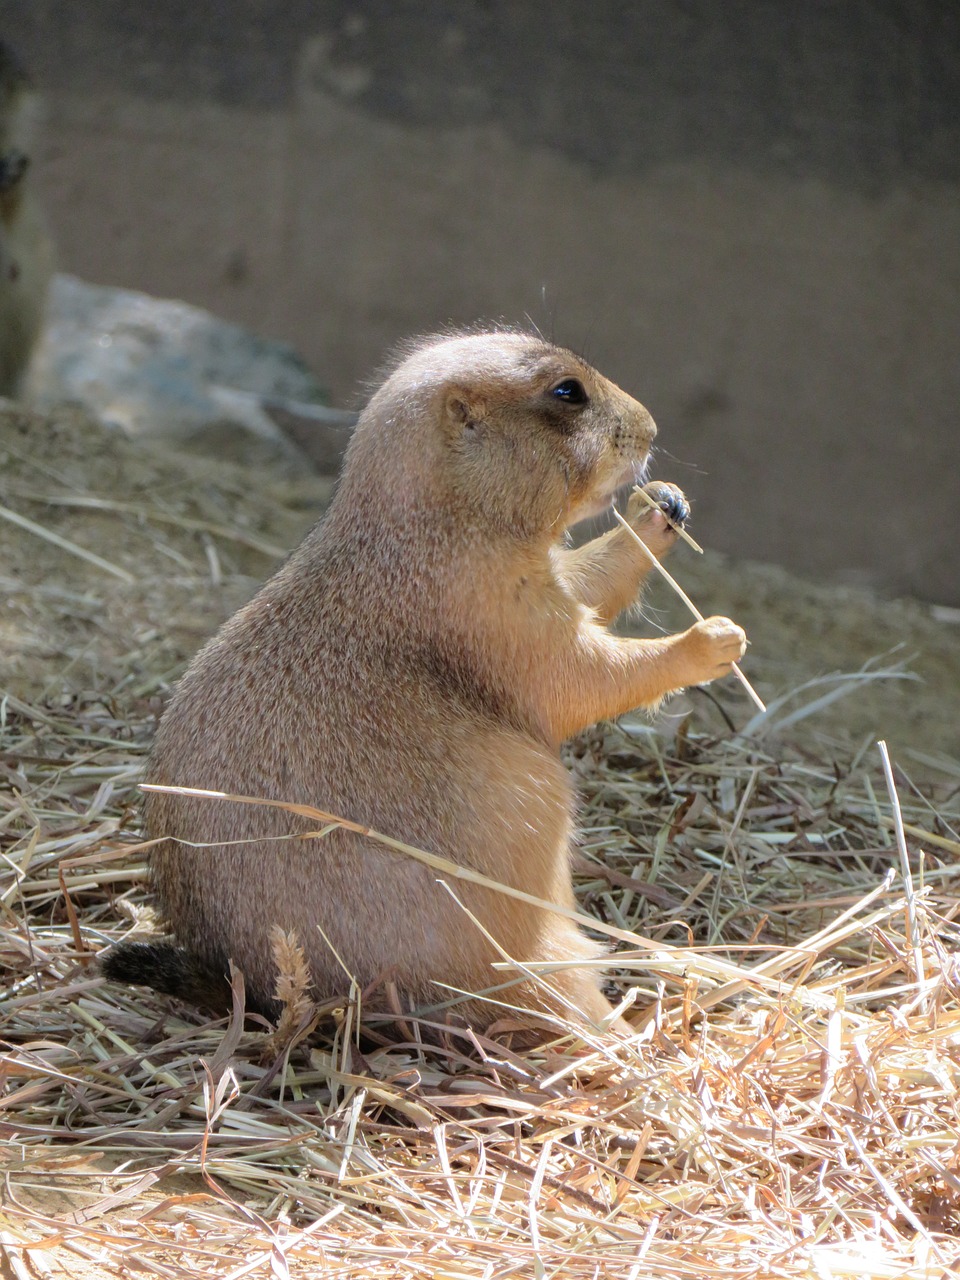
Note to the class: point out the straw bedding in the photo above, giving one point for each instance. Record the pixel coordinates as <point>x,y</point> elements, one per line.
<point>787,1107</point>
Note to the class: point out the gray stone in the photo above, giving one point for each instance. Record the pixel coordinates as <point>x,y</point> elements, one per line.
<point>167,370</point>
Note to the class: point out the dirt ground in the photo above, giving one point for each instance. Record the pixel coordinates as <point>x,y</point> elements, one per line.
<point>182,541</point>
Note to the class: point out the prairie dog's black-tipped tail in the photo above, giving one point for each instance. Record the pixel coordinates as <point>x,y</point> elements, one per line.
<point>168,969</point>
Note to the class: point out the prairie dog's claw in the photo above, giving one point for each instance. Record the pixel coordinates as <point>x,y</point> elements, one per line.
<point>668,497</point>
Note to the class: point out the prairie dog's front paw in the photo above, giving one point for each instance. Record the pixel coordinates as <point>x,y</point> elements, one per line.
<point>651,525</point>
<point>711,647</point>
<point>669,497</point>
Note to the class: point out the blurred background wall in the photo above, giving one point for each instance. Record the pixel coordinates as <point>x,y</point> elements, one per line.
<point>746,213</point>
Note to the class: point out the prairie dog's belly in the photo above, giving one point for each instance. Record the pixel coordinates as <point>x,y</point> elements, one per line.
<point>482,798</point>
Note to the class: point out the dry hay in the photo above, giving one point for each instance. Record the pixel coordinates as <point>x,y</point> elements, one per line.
<point>787,1108</point>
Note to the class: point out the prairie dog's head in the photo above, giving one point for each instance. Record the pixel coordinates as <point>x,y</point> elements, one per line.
<point>508,431</point>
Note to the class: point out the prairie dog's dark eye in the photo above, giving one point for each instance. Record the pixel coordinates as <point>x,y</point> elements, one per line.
<point>570,391</point>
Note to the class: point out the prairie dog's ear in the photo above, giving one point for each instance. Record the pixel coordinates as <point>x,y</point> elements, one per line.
<point>464,410</point>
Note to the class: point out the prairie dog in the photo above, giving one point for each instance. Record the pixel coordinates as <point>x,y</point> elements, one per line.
<point>26,256</point>
<point>414,666</point>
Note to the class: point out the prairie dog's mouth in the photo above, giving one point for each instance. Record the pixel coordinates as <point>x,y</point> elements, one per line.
<point>634,473</point>
<point>630,473</point>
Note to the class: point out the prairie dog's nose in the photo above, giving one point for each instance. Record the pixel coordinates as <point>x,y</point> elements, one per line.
<point>645,426</point>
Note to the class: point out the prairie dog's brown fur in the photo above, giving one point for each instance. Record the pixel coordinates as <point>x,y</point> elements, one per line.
<point>414,667</point>
<point>26,256</point>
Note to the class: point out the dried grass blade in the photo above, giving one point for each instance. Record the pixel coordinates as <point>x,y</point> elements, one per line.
<point>913,924</point>
<point>920,833</point>
<point>162,517</point>
<point>665,573</point>
<point>65,544</point>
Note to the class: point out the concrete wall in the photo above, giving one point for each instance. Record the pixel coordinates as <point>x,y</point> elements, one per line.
<point>746,213</point>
